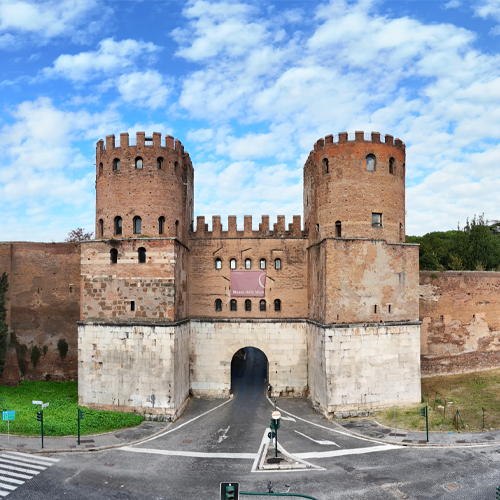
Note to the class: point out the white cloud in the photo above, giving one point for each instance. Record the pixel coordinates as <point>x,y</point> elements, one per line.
<point>109,58</point>
<point>143,88</point>
<point>452,4</point>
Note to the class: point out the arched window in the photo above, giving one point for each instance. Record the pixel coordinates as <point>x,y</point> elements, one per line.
<point>113,256</point>
<point>101,168</point>
<point>277,264</point>
<point>141,255</point>
<point>118,225</point>
<point>262,305</point>
<point>277,305</point>
<point>232,305</point>
<point>232,264</point>
<point>161,225</point>
<point>176,228</point>
<point>218,263</point>
<point>218,305</point>
<point>370,163</point>
<point>325,165</point>
<point>338,229</point>
<point>176,164</point>
<point>101,228</point>
<point>116,164</point>
<point>262,263</point>
<point>137,225</point>
<point>138,162</point>
<point>159,163</point>
<point>248,305</point>
<point>248,264</point>
<point>391,165</point>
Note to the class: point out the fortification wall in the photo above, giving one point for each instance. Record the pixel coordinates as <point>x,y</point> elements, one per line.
<point>460,313</point>
<point>5,267</point>
<point>287,284</point>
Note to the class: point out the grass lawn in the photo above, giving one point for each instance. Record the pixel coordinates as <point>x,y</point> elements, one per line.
<point>60,417</point>
<point>468,393</point>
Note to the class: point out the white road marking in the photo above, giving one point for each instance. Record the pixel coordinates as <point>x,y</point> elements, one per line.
<point>15,474</point>
<point>288,418</point>
<point>37,460</point>
<point>7,486</point>
<point>224,433</point>
<point>185,423</point>
<point>24,464</point>
<point>352,451</point>
<point>19,469</point>
<point>4,493</point>
<point>10,480</point>
<point>259,453</point>
<point>323,442</point>
<point>194,454</point>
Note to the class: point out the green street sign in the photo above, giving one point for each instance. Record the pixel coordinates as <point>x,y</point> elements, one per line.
<point>8,415</point>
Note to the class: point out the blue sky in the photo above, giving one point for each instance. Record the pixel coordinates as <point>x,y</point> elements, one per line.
<point>247,87</point>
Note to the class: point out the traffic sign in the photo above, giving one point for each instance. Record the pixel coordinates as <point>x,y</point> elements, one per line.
<point>37,402</point>
<point>8,415</point>
<point>44,405</point>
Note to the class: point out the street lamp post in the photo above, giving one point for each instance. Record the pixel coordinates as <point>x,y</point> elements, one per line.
<point>275,425</point>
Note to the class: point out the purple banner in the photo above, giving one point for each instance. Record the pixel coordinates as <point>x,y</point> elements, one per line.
<point>248,283</point>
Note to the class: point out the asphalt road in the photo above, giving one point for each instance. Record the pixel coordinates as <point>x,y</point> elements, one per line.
<point>217,441</point>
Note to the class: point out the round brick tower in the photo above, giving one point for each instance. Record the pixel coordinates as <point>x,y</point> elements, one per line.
<point>143,188</point>
<point>354,187</point>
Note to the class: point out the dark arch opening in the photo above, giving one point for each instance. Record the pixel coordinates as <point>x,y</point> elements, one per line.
<point>249,375</point>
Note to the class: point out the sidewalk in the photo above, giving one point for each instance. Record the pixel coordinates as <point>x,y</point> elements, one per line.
<point>94,442</point>
<point>373,430</point>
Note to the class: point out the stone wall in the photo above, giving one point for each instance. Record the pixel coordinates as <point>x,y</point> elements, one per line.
<point>214,343</point>
<point>460,313</point>
<point>122,365</point>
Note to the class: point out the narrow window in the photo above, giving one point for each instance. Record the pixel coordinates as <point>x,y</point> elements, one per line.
<point>101,228</point>
<point>262,263</point>
<point>176,164</point>
<point>317,228</point>
<point>376,220</point>
<point>159,163</point>
<point>113,256</point>
<point>325,165</point>
<point>401,233</point>
<point>375,309</point>
<point>389,308</point>
<point>277,264</point>
<point>370,163</point>
<point>118,225</point>
<point>442,318</point>
<point>232,264</point>
<point>176,228</point>
<point>132,305</point>
<point>218,305</point>
<point>338,229</point>
<point>218,263</point>
<point>137,225</point>
<point>101,168</point>
<point>141,254</point>
<point>232,305</point>
<point>248,305</point>
<point>248,264</point>
<point>391,166</point>
<point>138,162</point>
<point>277,305</point>
<point>161,225</point>
<point>116,164</point>
<point>262,305</point>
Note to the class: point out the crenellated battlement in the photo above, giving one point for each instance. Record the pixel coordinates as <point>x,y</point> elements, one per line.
<point>359,137</point>
<point>278,230</point>
<point>140,141</point>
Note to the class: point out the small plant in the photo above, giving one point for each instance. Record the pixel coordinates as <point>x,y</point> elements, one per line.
<point>433,276</point>
<point>62,347</point>
<point>35,355</point>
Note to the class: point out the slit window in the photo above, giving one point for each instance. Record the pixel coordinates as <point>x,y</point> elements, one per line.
<point>141,255</point>
<point>248,305</point>
<point>262,305</point>
<point>138,162</point>
<point>376,220</point>
<point>176,164</point>
<point>277,264</point>
<point>113,256</point>
<point>137,225</point>
<point>101,228</point>
<point>370,163</point>
<point>116,164</point>
<point>248,264</point>
<point>338,229</point>
<point>100,169</point>
<point>277,305</point>
<point>262,263</point>
<point>232,264</point>
<point>218,305</point>
<point>232,305</point>
<point>218,263</point>
<point>389,308</point>
<point>176,228</point>
<point>118,225</point>
<point>161,225</point>
<point>375,309</point>
<point>391,166</point>
<point>325,165</point>
<point>159,163</point>
<point>132,305</point>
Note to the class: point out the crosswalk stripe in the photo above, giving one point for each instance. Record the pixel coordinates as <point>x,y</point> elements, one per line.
<point>28,460</point>
<point>15,474</point>
<point>19,469</point>
<point>7,486</point>
<point>15,462</point>
<point>4,493</point>
<point>32,458</point>
<point>10,480</point>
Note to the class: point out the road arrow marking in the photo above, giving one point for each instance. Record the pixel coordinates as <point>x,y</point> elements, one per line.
<point>224,433</point>
<point>323,442</point>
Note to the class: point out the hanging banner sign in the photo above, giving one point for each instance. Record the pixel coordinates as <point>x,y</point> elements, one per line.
<point>248,283</point>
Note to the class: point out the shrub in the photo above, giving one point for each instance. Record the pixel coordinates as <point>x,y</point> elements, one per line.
<point>62,347</point>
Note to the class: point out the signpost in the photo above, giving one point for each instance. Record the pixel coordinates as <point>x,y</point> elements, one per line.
<point>39,414</point>
<point>275,425</point>
<point>8,415</point>
<point>80,417</point>
<point>423,412</point>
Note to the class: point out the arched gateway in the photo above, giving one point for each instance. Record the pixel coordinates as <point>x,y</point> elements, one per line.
<point>249,371</point>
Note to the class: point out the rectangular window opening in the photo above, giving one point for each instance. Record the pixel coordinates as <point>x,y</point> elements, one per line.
<point>375,309</point>
<point>132,305</point>
<point>389,308</point>
<point>376,219</point>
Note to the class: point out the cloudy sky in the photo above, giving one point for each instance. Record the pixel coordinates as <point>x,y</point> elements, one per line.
<point>247,87</point>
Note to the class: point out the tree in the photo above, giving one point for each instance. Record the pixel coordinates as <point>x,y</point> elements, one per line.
<point>79,234</point>
<point>4,285</point>
<point>482,246</point>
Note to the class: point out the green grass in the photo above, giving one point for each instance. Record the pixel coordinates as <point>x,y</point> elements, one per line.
<point>468,393</point>
<point>60,417</point>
